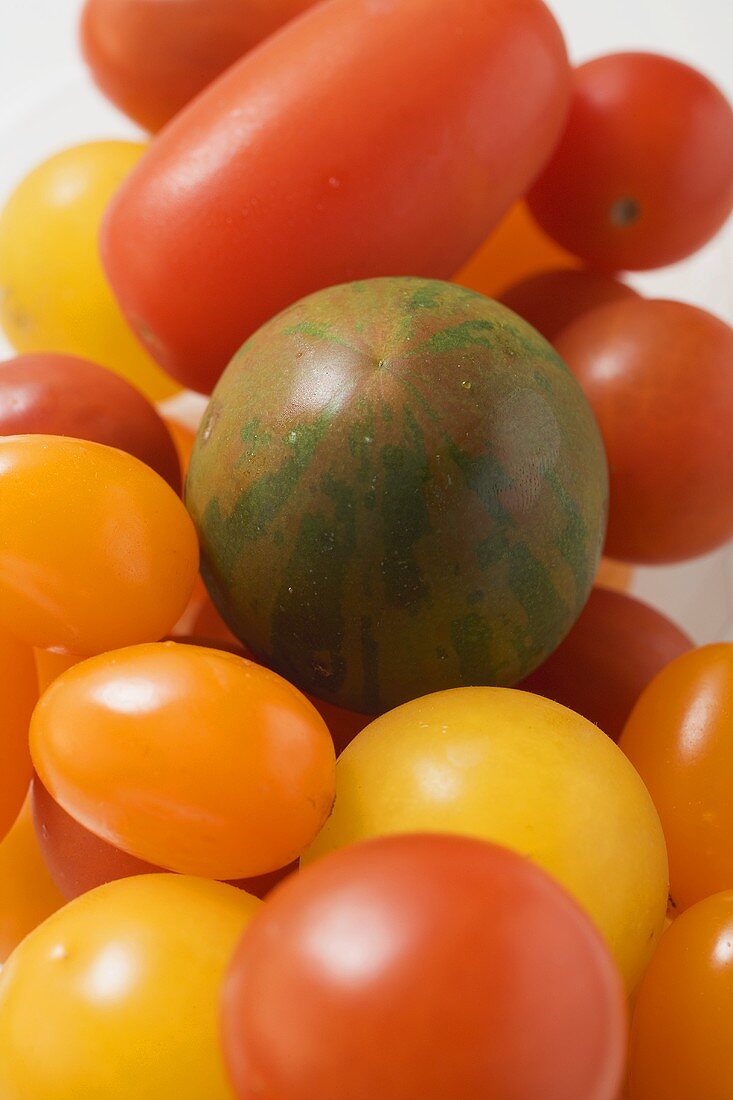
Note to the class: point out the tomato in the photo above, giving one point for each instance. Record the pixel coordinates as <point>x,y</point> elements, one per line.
<point>150,57</point>
<point>409,166</point>
<point>551,300</point>
<point>189,758</point>
<point>96,550</point>
<point>343,725</point>
<point>679,739</point>
<point>658,376</point>
<point>516,249</point>
<point>53,293</point>
<point>183,439</point>
<point>643,175</point>
<point>616,575</point>
<point>680,1037</point>
<point>519,770</point>
<point>127,980</point>
<point>27,892</point>
<point>415,968</point>
<point>18,695</point>
<point>63,395</point>
<point>601,668</point>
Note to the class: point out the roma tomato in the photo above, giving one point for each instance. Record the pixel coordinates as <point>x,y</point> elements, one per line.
<point>18,695</point>
<point>150,57</point>
<point>680,1036</point>
<point>144,745</point>
<point>643,175</point>
<point>551,300</point>
<point>54,294</point>
<point>409,167</point>
<point>679,739</point>
<point>96,551</point>
<point>513,768</point>
<point>64,395</point>
<point>516,249</point>
<point>127,978</point>
<point>382,953</point>
<point>659,377</point>
<point>27,892</point>
<point>601,668</point>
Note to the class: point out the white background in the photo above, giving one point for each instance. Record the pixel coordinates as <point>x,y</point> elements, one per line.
<point>47,103</point>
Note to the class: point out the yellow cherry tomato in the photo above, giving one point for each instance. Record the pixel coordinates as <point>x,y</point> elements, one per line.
<point>27,892</point>
<point>18,695</point>
<point>522,771</point>
<point>115,997</point>
<point>96,550</point>
<point>54,295</point>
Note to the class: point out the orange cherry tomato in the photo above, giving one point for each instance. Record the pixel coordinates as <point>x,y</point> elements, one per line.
<point>183,439</point>
<point>189,758</point>
<point>27,892</point>
<point>515,250</point>
<point>551,300</point>
<point>616,575</point>
<point>96,551</point>
<point>679,740</point>
<point>680,1035</point>
<point>18,695</point>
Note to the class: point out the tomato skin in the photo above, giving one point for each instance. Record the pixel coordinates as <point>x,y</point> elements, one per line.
<point>128,978</point>
<point>643,175</point>
<point>680,1035</point>
<point>615,649</point>
<point>667,364</point>
<point>678,739</point>
<point>150,57</point>
<point>18,695</point>
<point>363,964</point>
<point>27,892</point>
<point>97,551</point>
<point>204,737</point>
<point>254,206</point>
<point>63,395</point>
<point>552,300</point>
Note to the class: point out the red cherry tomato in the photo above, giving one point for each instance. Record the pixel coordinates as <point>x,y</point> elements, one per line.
<point>79,861</point>
<point>680,1036</point>
<point>643,175</point>
<point>679,740</point>
<point>18,695</point>
<point>551,300</point>
<point>150,57</point>
<point>601,668</point>
<point>62,395</point>
<point>423,968</point>
<point>659,377</point>
<point>411,163</point>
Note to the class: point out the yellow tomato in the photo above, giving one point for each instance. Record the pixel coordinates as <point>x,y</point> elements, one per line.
<point>27,892</point>
<point>116,996</point>
<point>54,295</point>
<point>525,772</point>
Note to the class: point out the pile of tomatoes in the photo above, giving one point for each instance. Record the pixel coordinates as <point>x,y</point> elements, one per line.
<point>212,885</point>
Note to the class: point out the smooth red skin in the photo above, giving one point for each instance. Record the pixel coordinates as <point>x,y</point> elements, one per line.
<point>150,57</point>
<point>554,299</point>
<point>51,394</point>
<point>79,861</point>
<point>659,377</point>
<point>423,968</point>
<point>615,649</point>
<point>651,129</point>
<point>364,139</point>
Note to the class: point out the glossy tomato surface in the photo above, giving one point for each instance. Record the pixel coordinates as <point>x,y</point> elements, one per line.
<point>18,695</point>
<point>679,739</point>
<point>551,300</point>
<point>96,551</point>
<point>643,175</point>
<point>659,377</point>
<point>409,167</point>
<point>150,57</point>
<point>127,981</point>
<point>55,296</point>
<point>680,1036</point>
<point>601,668</point>
<point>189,758</point>
<point>518,770</point>
<point>28,894</point>
<point>64,395</point>
<point>423,968</point>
